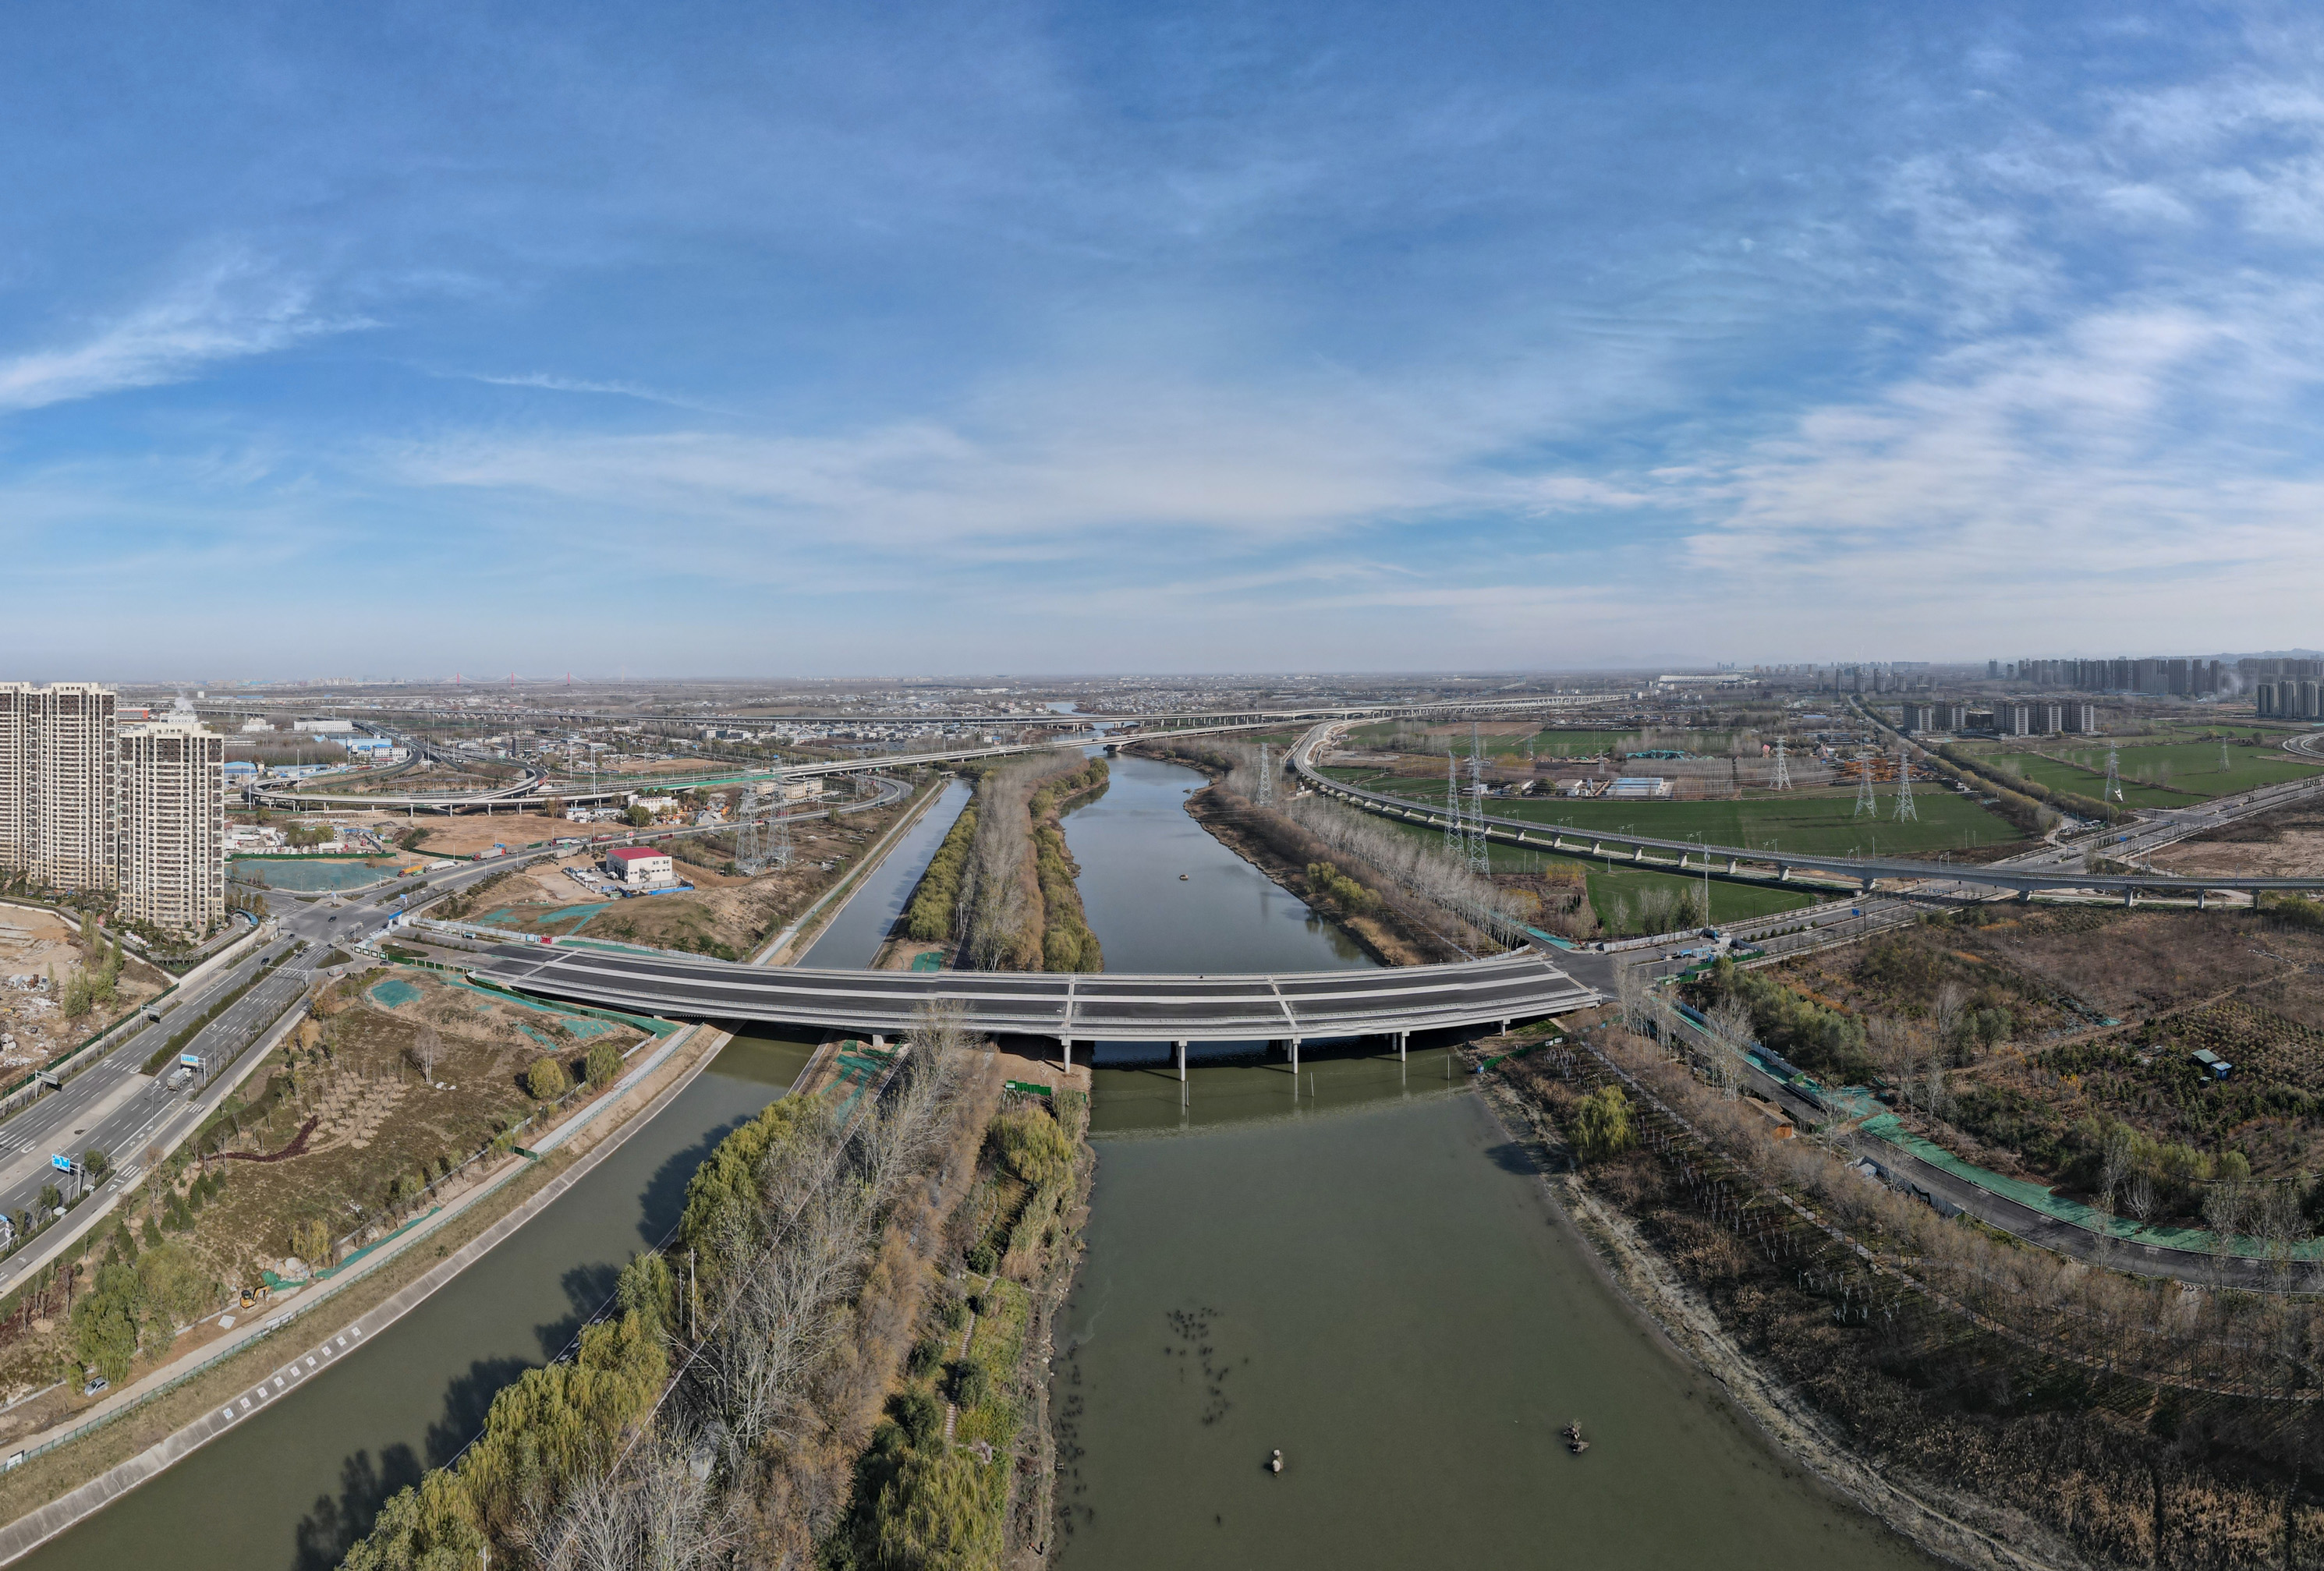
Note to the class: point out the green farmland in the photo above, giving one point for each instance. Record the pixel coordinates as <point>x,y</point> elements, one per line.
<point>2166,774</point>
<point>1809,825</point>
<point>1548,743</point>
<point>1615,885</point>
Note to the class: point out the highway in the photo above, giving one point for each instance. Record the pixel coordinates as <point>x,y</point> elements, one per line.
<point>2023,877</point>
<point>571,788</point>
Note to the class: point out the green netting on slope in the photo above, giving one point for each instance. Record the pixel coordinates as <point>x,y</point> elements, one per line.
<point>2038,1197</point>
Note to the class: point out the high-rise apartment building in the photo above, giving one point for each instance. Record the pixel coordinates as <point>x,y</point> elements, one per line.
<point>173,825</point>
<point>58,785</point>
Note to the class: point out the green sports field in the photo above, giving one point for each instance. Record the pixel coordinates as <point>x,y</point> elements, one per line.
<point>1812,825</point>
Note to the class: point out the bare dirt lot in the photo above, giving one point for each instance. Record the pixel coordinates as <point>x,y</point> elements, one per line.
<point>2288,843</point>
<point>723,916</point>
<point>41,955</point>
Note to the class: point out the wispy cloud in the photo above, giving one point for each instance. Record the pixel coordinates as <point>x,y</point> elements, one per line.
<point>572,384</point>
<point>229,311</point>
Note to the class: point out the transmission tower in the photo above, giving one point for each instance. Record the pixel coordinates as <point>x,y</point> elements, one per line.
<point>1454,818</point>
<point>1782,781</point>
<point>1864,802</point>
<point>1265,797</point>
<point>1905,786</point>
<point>2114,773</point>
<point>1480,856</point>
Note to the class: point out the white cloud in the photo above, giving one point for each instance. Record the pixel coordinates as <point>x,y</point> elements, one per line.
<point>231,310</point>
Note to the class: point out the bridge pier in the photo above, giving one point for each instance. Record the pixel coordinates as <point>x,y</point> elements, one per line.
<point>1066,1044</point>
<point>1731,864</point>
<point>2025,896</point>
<point>1403,1041</point>
<point>1182,1063</point>
<point>1783,873</point>
<point>1596,847</point>
<point>2202,899</point>
<point>2130,896</point>
<point>1294,1064</point>
<point>1638,853</point>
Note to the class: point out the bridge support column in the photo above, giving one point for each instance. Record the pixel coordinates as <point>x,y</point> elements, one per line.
<point>1294,1064</point>
<point>1638,853</point>
<point>1783,873</point>
<point>1731,864</point>
<point>1182,1063</point>
<point>1066,1044</point>
<point>1403,1042</point>
<point>1596,847</point>
<point>2025,897</point>
<point>2202,899</point>
<point>2130,896</point>
<point>1867,886</point>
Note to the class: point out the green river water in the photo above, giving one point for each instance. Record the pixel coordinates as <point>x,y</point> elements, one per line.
<point>1363,1274</point>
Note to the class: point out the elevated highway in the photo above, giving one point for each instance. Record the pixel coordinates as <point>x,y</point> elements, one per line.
<point>1691,856</point>
<point>538,782</point>
<point>1065,1006</point>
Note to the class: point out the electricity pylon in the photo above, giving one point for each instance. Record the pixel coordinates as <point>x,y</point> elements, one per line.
<point>1265,797</point>
<point>1864,801</point>
<point>1905,786</point>
<point>1480,855</point>
<point>750,833</point>
<point>2114,773</point>
<point>1783,780</point>
<point>1454,841</point>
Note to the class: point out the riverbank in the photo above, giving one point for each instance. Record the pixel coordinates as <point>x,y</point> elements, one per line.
<point>1383,933</point>
<point>1690,1328</point>
<point>187,1402</point>
<point>1998,1405</point>
<point>800,934</point>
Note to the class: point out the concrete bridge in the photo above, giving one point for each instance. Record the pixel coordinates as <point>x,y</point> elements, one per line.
<point>1174,1010</point>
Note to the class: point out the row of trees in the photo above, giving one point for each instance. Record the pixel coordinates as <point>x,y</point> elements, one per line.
<point>1018,909</point>
<point>697,1417</point>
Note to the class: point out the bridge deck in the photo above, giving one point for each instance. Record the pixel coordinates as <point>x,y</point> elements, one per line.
<point>1098,1008</point>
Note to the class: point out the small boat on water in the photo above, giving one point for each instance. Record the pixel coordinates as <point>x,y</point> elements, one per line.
<point>1573,1440</point>
<point>1275,1464</point>
<point>1181,877</point>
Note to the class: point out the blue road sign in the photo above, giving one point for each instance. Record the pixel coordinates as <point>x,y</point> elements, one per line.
<point>61,1163</point>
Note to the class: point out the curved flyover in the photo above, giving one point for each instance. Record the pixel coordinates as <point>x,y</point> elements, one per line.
<point>1862,870</point>
<point>1067,1007</point>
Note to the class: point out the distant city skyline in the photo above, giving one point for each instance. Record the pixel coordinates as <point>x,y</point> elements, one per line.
<point>710,343</point>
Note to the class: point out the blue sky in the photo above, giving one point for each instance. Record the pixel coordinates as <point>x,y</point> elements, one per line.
<point>722,339</point>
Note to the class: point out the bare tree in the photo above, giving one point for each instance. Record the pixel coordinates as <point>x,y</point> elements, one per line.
<point>2139,1197</point>
<point>1950,1015</point>
<point>425,1048</point>
<point>1731,1036</point>
<point>2224,1206</point>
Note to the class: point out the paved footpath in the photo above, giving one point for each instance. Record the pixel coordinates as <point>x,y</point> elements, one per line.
<point>28,1532</point>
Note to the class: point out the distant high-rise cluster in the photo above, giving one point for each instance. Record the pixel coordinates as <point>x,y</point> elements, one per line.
<point>2162,677</point>
<point>136,811</point>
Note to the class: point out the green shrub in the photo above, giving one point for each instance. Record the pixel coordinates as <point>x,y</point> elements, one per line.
<point>1601,1124</point>
<point>969,1382</point>
<point>546,1079</point>
<point>603,1063</point>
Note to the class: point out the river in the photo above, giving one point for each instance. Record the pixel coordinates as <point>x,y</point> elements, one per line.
<point>854,935</point>
<point>1359,1271</point>
<point>1366,1273</point>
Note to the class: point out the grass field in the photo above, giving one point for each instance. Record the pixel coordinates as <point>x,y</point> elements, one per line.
<point>1811,825</point>
<point>1550,742</point>
<point>2161,775</point>
<point>1612,883</point>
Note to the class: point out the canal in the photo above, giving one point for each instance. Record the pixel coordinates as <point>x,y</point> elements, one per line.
<point>306,1481</point>
<point>1363,1271</point>
<point>1358,1269</point>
